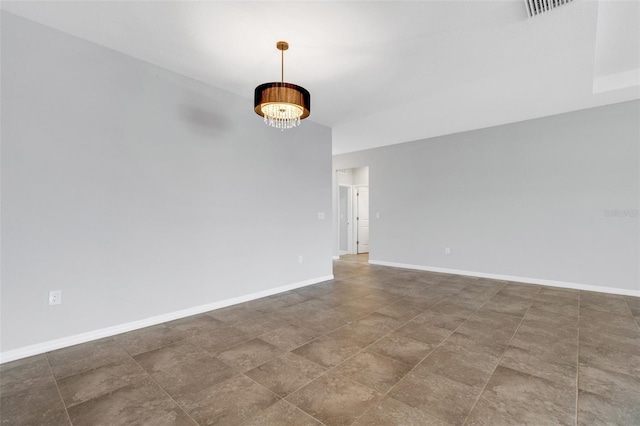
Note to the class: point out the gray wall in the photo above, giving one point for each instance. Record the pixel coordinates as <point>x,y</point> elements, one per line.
<point>139,192</point>
<point>528,199</point>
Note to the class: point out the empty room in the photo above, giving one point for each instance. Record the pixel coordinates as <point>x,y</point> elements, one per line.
<point>320,212</point>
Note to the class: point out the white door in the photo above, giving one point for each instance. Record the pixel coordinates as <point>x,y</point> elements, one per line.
<point>363,219</point>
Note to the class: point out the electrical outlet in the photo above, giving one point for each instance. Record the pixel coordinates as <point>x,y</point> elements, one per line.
<point>378,215</point>
<point>55,297</point>
<point>300,259</point>
<point>447,250</point>
<point>322,216</point>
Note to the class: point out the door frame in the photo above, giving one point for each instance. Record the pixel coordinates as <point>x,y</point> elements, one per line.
<point>350,217</point>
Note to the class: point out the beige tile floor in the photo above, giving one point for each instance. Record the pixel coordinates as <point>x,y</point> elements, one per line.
<point>375,346</point>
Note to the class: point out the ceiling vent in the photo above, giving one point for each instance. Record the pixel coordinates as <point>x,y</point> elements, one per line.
<point>537,7</point>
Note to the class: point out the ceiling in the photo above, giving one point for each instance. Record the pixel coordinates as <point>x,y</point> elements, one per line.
<point>381,72</point>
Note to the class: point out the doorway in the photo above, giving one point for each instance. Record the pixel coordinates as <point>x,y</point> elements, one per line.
<point>353,210</point>
<point>344,218</point>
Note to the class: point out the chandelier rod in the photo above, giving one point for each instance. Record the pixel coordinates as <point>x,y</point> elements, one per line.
<point>282,65</point>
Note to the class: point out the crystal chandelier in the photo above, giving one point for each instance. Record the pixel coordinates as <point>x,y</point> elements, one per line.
<point>282,104</point>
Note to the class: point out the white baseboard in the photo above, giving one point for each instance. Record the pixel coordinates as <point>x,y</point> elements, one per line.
<point>64,342</point>
<point>550,283</point>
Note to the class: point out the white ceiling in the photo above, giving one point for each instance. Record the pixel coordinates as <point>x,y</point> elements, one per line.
<point>381,72</point>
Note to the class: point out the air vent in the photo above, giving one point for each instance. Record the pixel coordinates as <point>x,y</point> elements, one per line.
<point>342,171</point>
<point>536,7</point>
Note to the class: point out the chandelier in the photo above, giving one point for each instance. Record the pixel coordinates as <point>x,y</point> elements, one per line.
<point>282,104</point>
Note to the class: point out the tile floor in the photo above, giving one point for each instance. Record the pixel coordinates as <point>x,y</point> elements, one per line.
<point>375,346</point>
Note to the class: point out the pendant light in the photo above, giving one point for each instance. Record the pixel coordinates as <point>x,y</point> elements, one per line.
<point>282,104</point>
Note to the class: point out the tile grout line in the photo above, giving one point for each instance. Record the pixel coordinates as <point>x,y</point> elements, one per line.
<point>87,370</point>
<point>192,340</point>
<point>149,350</point>
<point>444,340</point>
<point>269,360</point>
<point>93,367</point>
<point>235,370</point>
<point>279,399</point>
<point>434,349</point>
<point>64,404</point>
<point>635,319</point>
<point>348,323</point>
<point>501,356</point>
<point>241,373</point>
<point>165,391</point>
<point>363,349</point>
<point>330,369</point>
<point>290,323</point>
<point>154,380</point>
